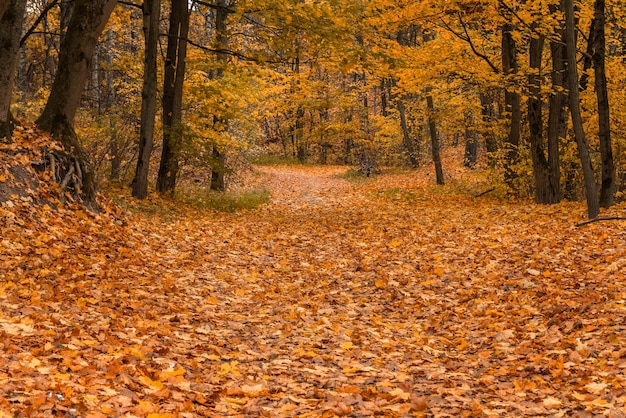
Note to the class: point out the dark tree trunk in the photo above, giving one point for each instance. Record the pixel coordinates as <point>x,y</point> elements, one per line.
<point>151,15</point>
<point>11,21</point>
<point>218,168</point>
<point>409,143</point>
<point>593,206</point>
<point>4,5</point>
<point>596,50</point>
<point>471,142</point>
<point>85,26</point>
<point>544,192</point>
<point>487,112</point>
<point>173,95</point>
<point>557,115</point>
<point>511,102</point>
<point>434,140</point>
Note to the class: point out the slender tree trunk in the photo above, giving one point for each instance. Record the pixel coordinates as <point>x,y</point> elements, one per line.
<point>85,26</point>
<point>511,102</point>
<point>471,142</point>
<point>434,140</point>
<point>218,168</point>
<point>173,95</point>
<point>557,115</point>
<point>593,206</point>
<point>409,144</point>
<point>544,191</point>
<point>597,50</point>
<point>151,16</point>
<point>487,112</point>
<point>11,21</point>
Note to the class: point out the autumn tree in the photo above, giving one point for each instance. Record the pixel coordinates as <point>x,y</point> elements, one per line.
<point>593,208</point>
<point>85,26</point>
<point>151,13</point>
<point>11,22</point>
<point>596,57</point>
<point>174,76</point>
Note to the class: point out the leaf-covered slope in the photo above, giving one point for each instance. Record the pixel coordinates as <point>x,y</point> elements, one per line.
<point>383,298</point>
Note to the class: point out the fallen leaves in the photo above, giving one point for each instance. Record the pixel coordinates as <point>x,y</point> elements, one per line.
<point>334,300</point>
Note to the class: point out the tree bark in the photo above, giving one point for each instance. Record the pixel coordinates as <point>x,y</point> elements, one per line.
<point>11,21</point>
<point>218,167</point>
<point>511,103</point>
<point>173,95</point>
<point>434,140</point>
<point>4,5</point>
<point>409,143</point>
<point>85,26</point>
<point>151,16</point>
<point>545,193</point>
<point>487,114</point>
<point>471,141</point>
<point>557,115</point>
<point>597,51</point>
<point>593,206</point>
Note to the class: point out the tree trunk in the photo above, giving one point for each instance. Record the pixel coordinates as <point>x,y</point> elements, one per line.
<point>11,21</point>
<point>557,116</point>
<point>593,206</point>
<point>4,5</point>
<point>173,95</point>
<point>218,168</point>
<point>511,103</point>
<point>471,142</point>
<point>85,26</point>
<point>544,192</point>
<point>487,112</point>
<point>409,144</point>
<point>151,16</point>
<point>434,140</point>
<point>597,50</point>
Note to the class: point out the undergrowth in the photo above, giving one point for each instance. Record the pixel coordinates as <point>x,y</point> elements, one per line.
<point>229,201</point>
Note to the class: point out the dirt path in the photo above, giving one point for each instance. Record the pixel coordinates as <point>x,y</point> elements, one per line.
<point>292,186</point>
<point>389,298</point>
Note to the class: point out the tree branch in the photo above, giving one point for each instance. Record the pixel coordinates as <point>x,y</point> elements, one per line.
<point>43,14</point>
<point>465,37</point>
<point>607,218</point>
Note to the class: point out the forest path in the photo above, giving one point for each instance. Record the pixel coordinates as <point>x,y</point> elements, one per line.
<point>391,297</point>
<point>295,187</point>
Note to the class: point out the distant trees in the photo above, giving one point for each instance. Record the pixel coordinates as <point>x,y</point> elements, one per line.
<point>366,83</point>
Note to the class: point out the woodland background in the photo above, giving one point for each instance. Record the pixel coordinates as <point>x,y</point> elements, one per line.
<point>366,83</point>
<point>392,264</point>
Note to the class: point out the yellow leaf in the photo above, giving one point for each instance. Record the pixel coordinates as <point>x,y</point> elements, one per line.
<point>347,345</point>
<point>153,384</point>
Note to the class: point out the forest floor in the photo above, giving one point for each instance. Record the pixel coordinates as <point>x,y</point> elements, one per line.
<point>386,297</point>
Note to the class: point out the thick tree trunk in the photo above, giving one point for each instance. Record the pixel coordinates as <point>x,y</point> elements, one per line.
<point>151,15</point>
<point>434,140</point>
<point>85,26</point>
<point>173,95</point>
<point>593,206</point>
<point>4,5</point>
<point>11,21</point>
<point>511,103</point>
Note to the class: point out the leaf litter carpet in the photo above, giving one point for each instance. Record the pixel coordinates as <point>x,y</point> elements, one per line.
<point>389,297</point>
